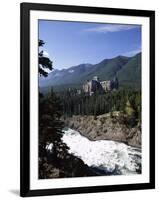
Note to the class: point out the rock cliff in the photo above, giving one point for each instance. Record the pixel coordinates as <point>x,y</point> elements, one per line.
<point>110,126</point>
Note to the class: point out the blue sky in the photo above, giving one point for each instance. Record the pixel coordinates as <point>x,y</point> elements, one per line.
<point>73,43</point>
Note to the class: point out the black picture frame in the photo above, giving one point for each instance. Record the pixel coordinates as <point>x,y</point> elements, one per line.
<point>25,9</point>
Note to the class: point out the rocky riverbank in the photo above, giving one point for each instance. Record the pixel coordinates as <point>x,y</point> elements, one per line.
<point>110,126</point>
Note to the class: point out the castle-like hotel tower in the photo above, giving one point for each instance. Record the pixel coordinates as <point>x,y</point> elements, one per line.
<point>95,86</point>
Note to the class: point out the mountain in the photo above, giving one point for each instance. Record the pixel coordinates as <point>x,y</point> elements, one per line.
<point>130,74</point>
<point>126,69</point>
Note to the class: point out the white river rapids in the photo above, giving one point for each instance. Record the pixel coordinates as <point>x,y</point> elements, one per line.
<point>105,156</point>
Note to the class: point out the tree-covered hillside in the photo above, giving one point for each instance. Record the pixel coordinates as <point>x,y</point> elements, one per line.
<point>126,69</point>
<point>130,74</point>
<point>127,101</point>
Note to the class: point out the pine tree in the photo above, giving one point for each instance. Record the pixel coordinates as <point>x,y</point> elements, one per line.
<point>131,119</point>
<point>44,62</point>
<point>50,127</point>
<point>129,109</point>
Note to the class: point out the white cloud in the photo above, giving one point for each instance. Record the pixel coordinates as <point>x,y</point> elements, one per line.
<point>132,53</point>
<point>111,28</point>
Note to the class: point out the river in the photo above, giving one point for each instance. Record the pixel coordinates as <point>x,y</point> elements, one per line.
<point>105,156</point>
